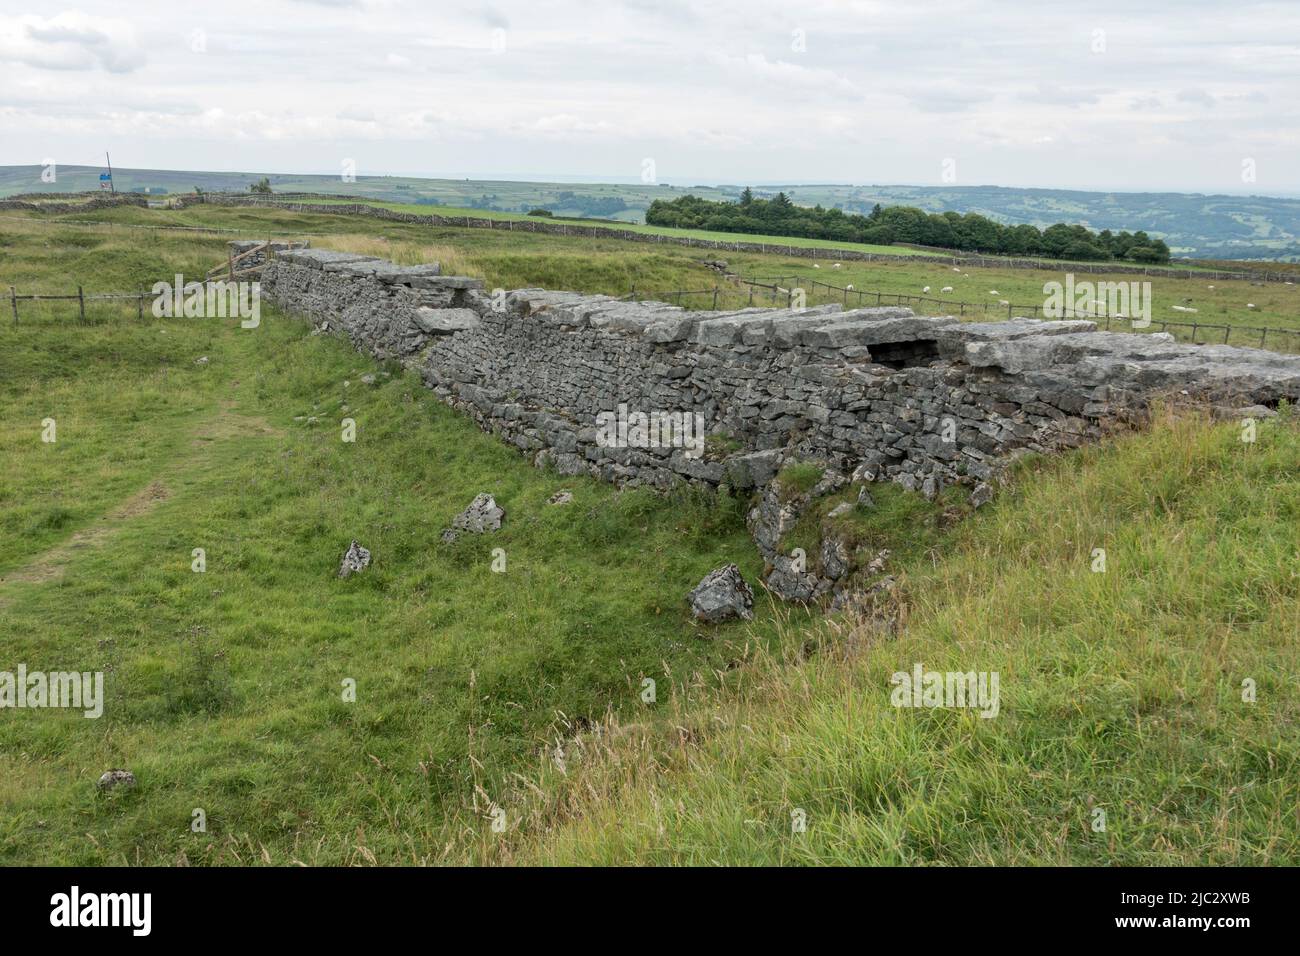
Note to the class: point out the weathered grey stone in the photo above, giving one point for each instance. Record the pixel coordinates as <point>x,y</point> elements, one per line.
<point>788,582</point>
<point>319,258</point>
<point>356,559</point>
<point>835,557</point>
<point>112,779</point>
<point>481,516</point>
<point>982,495</point>
<point>753,470</point>
<point>722,595</point>
<point>771,518</point>
<point>438,321</point>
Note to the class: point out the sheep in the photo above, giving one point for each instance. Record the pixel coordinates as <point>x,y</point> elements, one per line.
<point>816,266</point>
<point>835,266</point>
<point>994,292</point>
<point>849,287</point>
<point>946,288</point>
<point>1250,305</point>
<point>1182,308</point>
<point>925,289</point>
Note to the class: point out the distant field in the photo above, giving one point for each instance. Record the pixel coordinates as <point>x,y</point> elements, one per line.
<point>637,227</point>
<point>615,267</point>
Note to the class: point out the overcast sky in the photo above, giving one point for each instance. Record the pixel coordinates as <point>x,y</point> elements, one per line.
<point>1111,95</point>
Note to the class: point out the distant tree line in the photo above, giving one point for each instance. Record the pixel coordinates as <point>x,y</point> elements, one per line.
<point>969,232</point>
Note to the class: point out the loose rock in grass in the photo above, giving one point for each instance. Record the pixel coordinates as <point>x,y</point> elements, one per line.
<point>482,515</point>
<point>116,778</point>
<point>723,594</point>
<point>356,560</point>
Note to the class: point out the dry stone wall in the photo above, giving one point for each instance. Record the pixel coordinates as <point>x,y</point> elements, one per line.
<point>649,393</point>
<point>923,401</point>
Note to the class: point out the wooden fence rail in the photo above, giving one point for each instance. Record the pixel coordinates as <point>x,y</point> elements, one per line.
<point>81,297</point>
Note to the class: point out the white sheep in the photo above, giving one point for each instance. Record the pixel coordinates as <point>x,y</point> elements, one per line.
<point>994,292</point>
<point>816,266</point>
<point>1250,305</point>
<point>946,288</point>
<point>835,266</point>
<point>1182,308</point>
<point>926,289</point>
<point>849,287</point>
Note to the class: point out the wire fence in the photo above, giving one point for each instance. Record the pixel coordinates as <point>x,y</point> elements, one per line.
<point>783,292</point>
<point>81,298</point>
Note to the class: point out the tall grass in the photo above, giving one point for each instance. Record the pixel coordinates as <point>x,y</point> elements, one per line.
<point>1121,692</point>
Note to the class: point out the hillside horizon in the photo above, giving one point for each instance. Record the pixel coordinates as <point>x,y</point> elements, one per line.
<point>1195,225</point>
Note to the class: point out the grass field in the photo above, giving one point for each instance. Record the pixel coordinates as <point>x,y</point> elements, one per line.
<point>705,234</point>
<point>614,267</point>
<point>224,687</point>
<point>1121,691</point>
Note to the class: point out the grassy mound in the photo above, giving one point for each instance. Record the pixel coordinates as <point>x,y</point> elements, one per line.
<point>1123,735</point>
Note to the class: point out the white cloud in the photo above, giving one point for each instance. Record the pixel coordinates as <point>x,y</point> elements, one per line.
<point>882,92</point>
<point>70,41</point>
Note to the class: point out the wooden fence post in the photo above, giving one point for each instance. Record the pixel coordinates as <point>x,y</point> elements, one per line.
<point>140,307</point>
<point>81,301</point>
<point>13,300</point>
